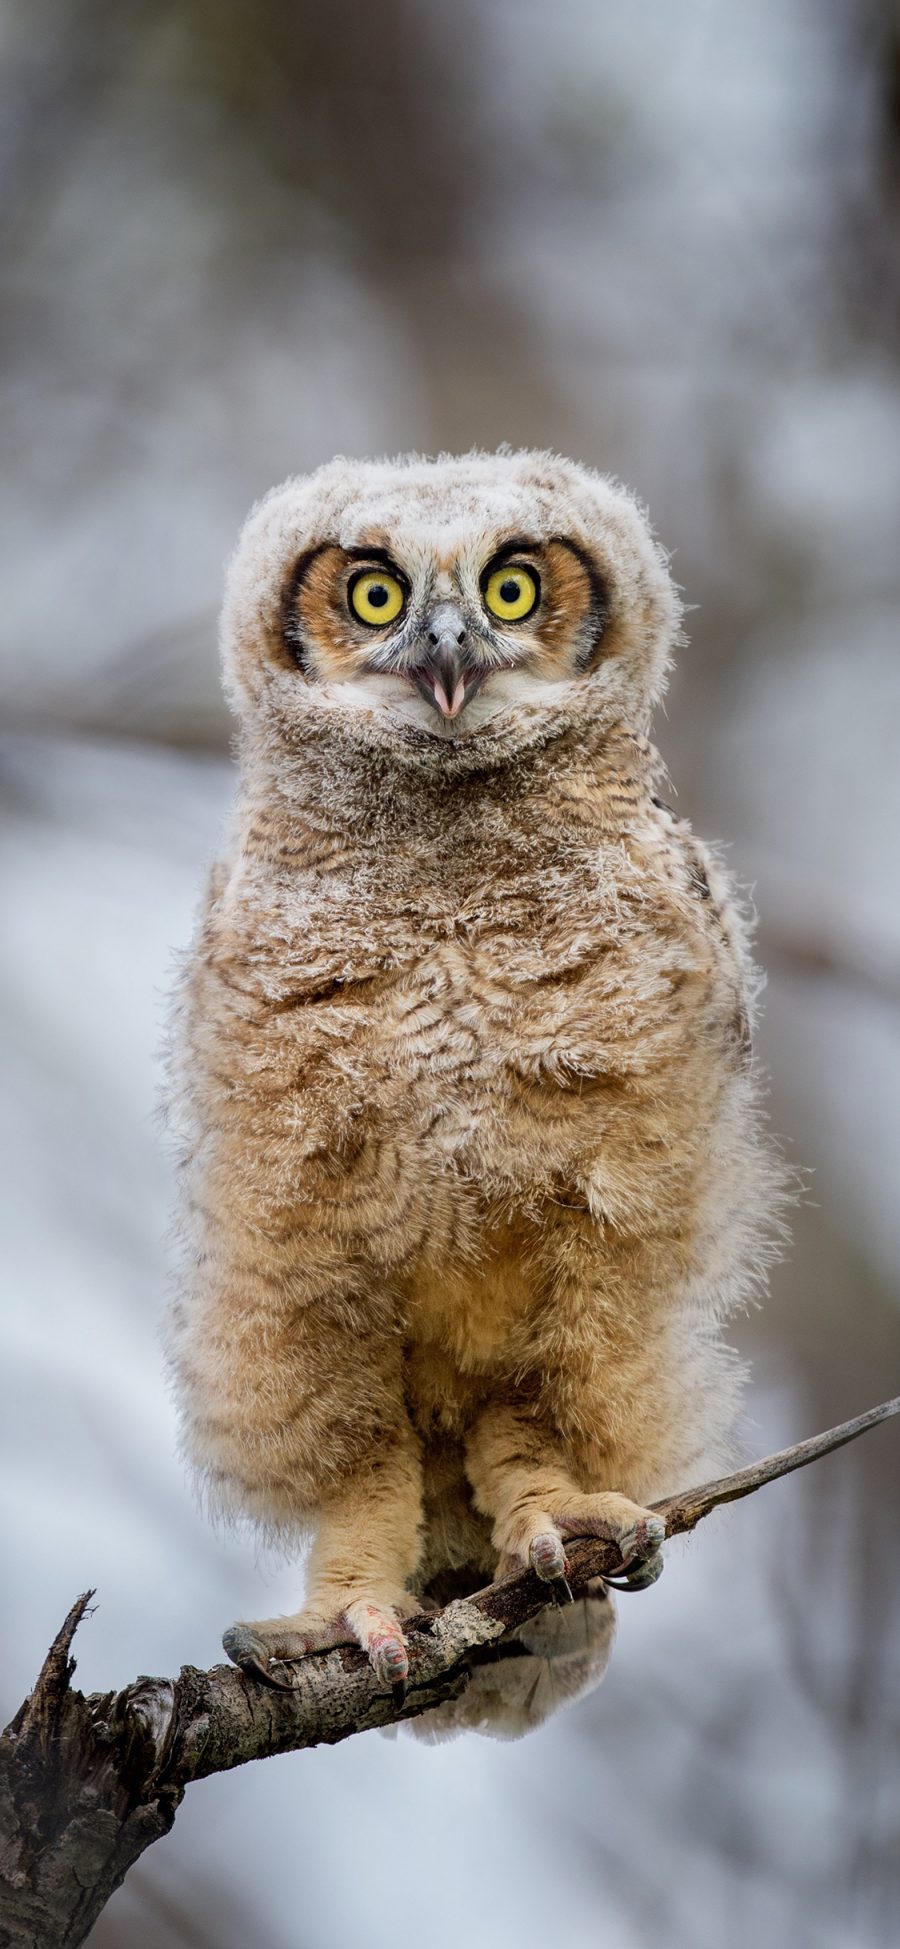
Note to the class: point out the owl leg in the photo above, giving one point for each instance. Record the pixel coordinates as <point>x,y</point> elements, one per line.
<point>365,1547</point>
<point>290,1370</point>
<point>520,1481</point>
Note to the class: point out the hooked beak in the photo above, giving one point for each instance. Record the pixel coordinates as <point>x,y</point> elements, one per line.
<point>445,676</point>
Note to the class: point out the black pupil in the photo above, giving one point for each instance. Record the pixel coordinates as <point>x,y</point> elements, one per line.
<point>510,591</point>
<point>378,595</point>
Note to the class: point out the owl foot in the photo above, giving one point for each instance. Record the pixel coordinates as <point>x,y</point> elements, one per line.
<point>537,1537</point>
<point>261,1648</point>
<point>637,1533</point>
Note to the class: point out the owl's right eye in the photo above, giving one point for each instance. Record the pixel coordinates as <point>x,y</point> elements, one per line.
<point>376,597</point>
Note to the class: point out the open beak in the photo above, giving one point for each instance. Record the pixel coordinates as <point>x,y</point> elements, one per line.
<point>445,676</point>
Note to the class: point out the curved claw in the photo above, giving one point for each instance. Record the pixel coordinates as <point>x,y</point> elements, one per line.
<point>251,1655</point>
<point>647,1570</point>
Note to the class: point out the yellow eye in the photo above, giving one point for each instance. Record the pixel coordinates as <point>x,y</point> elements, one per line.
<point>376,597</point>
<point>511,594</point>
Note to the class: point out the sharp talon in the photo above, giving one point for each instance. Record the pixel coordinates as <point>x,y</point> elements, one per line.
<point>647,1571</point>
<point>271,1677</point>
<point>562,1590</point>
<point>253,1667</point>
<point>243,1645</point>
<point>398,1692</point>
<point>248,1652</point>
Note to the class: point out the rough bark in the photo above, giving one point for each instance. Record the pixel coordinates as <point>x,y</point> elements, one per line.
<point>87,1783</point>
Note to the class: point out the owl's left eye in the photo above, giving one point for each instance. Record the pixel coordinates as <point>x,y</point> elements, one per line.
<point>511,594</point>
<point>376,597</point>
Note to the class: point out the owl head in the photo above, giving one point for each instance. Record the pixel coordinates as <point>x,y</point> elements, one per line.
<point>446,610</point>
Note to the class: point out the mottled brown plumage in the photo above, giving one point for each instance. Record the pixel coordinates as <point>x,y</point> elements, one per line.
<point>473,1166</point>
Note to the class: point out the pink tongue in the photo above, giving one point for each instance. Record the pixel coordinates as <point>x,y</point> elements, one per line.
<point>446,708</point>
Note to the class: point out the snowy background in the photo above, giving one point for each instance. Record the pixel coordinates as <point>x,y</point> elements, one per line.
<point>235,240</point>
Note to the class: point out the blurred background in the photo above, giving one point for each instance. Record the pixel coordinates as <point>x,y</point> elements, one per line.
<point>237,238</point>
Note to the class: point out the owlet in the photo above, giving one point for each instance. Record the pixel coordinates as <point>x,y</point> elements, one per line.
<point>473,1169</point>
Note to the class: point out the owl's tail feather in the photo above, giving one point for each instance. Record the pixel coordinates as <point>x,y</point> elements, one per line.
<point>557,1658</point>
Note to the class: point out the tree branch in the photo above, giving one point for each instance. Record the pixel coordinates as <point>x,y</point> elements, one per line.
<point>88,1783</point>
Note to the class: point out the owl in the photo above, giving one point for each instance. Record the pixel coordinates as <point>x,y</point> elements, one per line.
<point>472,1162</point>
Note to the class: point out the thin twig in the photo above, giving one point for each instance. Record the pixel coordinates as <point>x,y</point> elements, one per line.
<point>682,1512</point>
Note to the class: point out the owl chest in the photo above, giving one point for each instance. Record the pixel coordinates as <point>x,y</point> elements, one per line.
<point>497,1043</point>
<point>453,1014</point>
<point>479,1043</point>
